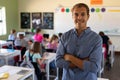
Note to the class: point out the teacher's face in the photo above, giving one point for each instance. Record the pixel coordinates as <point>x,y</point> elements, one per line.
<point>80,17</point>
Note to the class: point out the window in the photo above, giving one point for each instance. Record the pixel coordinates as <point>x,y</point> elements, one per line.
<point>2,21</point>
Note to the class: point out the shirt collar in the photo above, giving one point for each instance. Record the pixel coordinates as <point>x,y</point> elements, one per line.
<point>85,31</point>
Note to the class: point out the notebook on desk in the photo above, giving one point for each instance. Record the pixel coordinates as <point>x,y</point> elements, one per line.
<point>22,72</point>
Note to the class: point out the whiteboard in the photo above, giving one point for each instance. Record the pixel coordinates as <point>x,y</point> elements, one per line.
<point>108,21</point>
<point>63,22</point>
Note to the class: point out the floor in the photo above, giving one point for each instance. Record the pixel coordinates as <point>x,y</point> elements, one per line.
<point>113,73</point>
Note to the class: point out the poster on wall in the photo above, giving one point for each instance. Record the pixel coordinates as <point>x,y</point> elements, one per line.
<point>25,20</point>
<point>48,20</point>
<point>37,20</point>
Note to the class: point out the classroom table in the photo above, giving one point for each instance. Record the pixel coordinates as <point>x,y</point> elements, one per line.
<point>17,73</point>
<point>49,58</point>
<point>9,53</point>
<point>102,79</point>
<point>5,43</point>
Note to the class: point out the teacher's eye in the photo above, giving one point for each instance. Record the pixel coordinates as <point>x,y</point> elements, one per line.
<point>82,14</point>
<point>76,14</point>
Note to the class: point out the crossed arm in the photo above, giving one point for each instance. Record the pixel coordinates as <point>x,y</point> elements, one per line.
<point>75,62</point>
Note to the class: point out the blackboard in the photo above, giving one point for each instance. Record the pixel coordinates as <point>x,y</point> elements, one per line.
<point>105,19</point>
<point>25,20</point>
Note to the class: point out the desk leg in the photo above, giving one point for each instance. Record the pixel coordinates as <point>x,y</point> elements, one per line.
<point>33,75</point>
<point>57,77</point>
<point>20,59</point>
<point>6,61</point>
<point>47,70</point>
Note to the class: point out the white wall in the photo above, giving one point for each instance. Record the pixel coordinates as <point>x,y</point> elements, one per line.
<point>51,5</point>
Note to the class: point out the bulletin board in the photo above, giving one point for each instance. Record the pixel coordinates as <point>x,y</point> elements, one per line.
<point>36,20</point>
<point>105,19</point>
<point>25,20</point>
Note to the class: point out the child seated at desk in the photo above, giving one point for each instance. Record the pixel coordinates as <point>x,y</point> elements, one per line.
<point>30,42</point>
<point>20,41</point>
<point>12,35</point>
<point>52,45</point>
<point>20,44</point>
<point>11,39</point>
<point>33,55</point>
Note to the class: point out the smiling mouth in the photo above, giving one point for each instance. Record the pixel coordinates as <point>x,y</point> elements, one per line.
<point>79,22</point>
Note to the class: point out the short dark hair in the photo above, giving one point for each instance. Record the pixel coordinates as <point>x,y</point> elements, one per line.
<point>31,41</point>
<point>79,5</point>
<point>60,34</point>
<point>21,35</point>
<point>101,33</point>
<point>46,35</point>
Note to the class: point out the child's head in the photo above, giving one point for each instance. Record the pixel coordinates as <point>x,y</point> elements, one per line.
<point>38,30</point>
<point>30,42</point>
<point>21,36</point>
<point>54,37</point>
<point>60,34</point>
<point>101,33</point>
<point>12,31</point>
<point>35,48</point>
<point>46,36</point>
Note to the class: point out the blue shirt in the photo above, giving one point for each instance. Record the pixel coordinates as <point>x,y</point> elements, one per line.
<point>34,57</point>
<point>11,37</point>
<point>88,44</point>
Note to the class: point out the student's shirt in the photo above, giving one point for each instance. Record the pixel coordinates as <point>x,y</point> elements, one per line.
<point>21,42</point>
<point>38,38</point>
<point>34,57</point>
<point>11,37</point>
<point>52,45</point>
<point>105,39</point>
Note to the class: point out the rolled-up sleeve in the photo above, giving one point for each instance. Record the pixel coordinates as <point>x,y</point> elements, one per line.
<point>95,58</point>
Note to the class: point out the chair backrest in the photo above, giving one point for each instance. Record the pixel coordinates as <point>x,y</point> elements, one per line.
<point>104,46</point>
<point>111,51</point>
<point>27,64</point>
<point>20,33</point>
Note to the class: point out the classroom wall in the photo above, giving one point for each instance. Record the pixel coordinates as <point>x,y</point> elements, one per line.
<point>11,15</point>
<point>51,5</point>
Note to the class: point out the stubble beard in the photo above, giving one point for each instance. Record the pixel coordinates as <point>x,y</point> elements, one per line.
<point>79,24</point>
